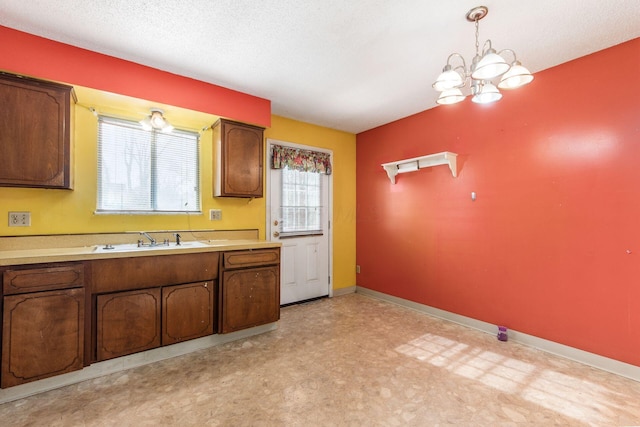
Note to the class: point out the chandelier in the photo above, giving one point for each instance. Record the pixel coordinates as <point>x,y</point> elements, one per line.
<point>485,67</point>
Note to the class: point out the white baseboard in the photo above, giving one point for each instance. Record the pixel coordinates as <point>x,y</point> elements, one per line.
<point>123,363</point>
<point>604,363</point>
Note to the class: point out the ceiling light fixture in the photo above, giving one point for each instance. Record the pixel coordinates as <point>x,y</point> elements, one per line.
<point>484,68</point>
<point>156,121</point>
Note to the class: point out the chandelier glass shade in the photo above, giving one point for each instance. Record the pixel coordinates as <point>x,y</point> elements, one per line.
<point>451,96</point>
<point>516,76</point>
<point>449,79</point>
<point>485,67</point>
<point>486,94</point>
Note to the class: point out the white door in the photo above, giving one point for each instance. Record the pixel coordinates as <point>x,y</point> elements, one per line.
<point>298,216</point>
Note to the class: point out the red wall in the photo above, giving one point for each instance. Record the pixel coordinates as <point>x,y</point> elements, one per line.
<point>26,54</point>
<point>551,246</point>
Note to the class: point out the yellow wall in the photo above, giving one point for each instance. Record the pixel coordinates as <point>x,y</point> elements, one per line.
<point>68,212</point>
<point>343,146</point>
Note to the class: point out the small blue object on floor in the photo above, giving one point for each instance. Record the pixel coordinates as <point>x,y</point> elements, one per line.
<point>502,333</point>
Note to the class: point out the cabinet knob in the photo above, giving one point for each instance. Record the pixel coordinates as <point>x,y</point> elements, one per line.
<point>276,222</point>
<point>276,233</point>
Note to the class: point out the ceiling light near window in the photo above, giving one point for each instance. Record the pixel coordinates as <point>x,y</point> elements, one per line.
<point>156,121</point>
<point>485,67</point>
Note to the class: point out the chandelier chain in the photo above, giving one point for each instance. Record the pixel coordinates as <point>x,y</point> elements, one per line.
<point>477,36</point>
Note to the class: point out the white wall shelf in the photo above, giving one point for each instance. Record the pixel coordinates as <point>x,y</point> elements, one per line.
<point>417,163</point>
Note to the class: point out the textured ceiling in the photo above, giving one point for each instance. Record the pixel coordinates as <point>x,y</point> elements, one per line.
<point>349,65</point>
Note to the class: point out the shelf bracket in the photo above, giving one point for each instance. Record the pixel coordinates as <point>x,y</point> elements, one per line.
<point>417,163</point>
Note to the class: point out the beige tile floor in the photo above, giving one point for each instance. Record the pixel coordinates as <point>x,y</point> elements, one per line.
<point>346,361</point>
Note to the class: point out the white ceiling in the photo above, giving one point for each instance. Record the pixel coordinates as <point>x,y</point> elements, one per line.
<point>345,64</point>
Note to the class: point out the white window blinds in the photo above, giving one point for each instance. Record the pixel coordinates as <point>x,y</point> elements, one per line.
<point>143,171</point>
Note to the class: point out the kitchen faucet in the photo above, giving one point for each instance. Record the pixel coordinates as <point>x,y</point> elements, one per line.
<point>151,239</point>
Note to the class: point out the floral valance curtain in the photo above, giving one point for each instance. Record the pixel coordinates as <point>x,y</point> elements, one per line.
<point>302,160</point>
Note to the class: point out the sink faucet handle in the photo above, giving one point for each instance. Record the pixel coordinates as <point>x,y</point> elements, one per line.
<point>151,239</point>
<point>177,238</point>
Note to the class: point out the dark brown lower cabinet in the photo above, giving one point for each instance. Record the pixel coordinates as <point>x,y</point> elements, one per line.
<point>131,305</point>
<point>134,321</point>
<point>187,311</point>
<point>42,335</point>
<point>250,297</point>
<point>127,322</point>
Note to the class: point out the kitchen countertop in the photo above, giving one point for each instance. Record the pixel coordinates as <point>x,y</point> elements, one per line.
<point>45,249</point>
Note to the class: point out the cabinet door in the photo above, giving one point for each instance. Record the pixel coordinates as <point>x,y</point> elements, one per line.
<point>240,153</point>
<point>250,298</point>
<point>187,311</point>
<point>35,133</point>
<point>127,322</point>
<point>42,335</point>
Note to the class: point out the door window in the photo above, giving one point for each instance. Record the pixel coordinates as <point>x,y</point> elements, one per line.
<point>301,203</point>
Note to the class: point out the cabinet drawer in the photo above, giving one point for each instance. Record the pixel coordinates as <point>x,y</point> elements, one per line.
<point>251,258</point>
<point>43,279</point>
<point>121,274</point>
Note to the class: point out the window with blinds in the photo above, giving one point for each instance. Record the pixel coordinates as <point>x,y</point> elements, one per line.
<point>143,171</point>
<point>301,202</point>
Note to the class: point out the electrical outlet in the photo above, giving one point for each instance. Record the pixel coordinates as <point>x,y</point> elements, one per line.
<point>19,219</point>
<point>215,214</point>
<point>357,269</point>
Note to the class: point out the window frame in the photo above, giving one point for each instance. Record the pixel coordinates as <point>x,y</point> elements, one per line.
<point>155,186</point>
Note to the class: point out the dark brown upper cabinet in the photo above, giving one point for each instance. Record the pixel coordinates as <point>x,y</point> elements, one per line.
<point>239,152</point>
<point>35,132</point>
